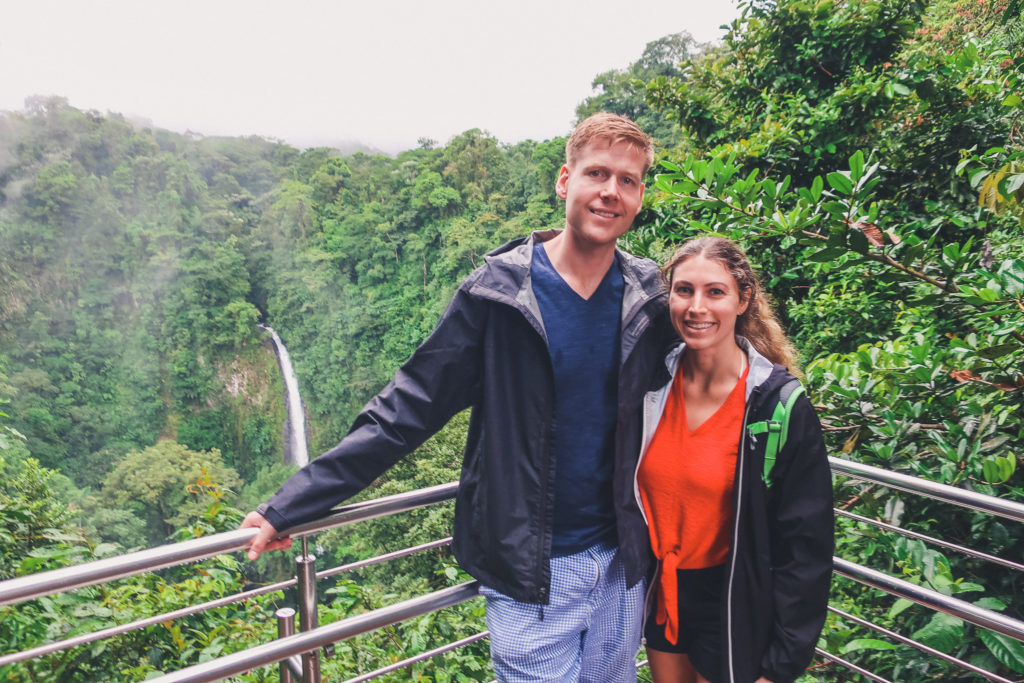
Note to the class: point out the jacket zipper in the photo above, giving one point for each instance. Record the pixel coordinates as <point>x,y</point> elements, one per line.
<point>650,403</point>
<point>750,400</point>
<point>647,603</point>
<point>734,544</point>
<point>550,462</point>
<point>534,321</point>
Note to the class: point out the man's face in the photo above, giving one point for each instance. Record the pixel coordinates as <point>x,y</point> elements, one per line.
<point>603,191</point>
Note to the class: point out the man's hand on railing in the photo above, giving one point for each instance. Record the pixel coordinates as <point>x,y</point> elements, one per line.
<point>262,541</point>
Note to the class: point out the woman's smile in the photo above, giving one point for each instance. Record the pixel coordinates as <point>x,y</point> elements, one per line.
<point>704,303</point>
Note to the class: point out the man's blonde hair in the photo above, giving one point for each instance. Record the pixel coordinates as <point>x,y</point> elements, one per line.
<point>615,129</point>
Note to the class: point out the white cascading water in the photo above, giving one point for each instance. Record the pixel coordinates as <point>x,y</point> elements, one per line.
<point>296,452</point>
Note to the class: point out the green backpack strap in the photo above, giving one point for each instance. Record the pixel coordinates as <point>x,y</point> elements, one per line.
<point>777,427</point>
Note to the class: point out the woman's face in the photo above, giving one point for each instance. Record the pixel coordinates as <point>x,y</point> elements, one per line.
<point>704,303</point>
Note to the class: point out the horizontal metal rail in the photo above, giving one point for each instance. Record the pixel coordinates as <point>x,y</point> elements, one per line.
<point>282,648</point>
<point>378,507</point>
<point>70,578</point>
<point>423,656</point>
<point>934,541</point>
<point>950,494</point>
<point>851,666</point>
<point>100,571</point>
<point>920,646</point>
<point>386,557</point>
<point>979,616</point>
<point>86,638</point>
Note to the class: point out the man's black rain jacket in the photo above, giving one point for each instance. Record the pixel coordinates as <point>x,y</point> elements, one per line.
<point>489,351</point>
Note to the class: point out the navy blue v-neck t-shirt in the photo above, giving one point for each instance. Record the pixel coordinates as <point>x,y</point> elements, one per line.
<point>583,341</point>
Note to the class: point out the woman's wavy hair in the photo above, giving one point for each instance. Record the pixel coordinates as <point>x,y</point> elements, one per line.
<point>758,323</point>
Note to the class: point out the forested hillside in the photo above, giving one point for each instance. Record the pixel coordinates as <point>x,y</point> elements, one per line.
<point>867,153</point>
<point>138,262</point>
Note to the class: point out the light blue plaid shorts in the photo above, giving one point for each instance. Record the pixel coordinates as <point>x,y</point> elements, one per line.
<point>589,631</point>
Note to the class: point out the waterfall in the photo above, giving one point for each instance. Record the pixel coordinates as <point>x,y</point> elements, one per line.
<point>295,450</point>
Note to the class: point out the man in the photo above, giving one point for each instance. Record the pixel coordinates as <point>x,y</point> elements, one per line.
<point>552,342</point>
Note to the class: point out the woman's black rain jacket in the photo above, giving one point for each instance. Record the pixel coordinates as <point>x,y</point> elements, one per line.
<point>780,559</point>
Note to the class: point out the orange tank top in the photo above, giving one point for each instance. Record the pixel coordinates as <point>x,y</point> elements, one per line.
<point>686,483</point>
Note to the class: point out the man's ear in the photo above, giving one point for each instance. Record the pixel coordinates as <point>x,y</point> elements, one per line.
<point>562,184</point>
<point>640,206</point>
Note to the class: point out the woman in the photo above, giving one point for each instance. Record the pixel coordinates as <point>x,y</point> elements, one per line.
<point>744,551</point>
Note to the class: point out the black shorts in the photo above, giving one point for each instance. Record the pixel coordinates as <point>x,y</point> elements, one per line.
<point>700,621</point>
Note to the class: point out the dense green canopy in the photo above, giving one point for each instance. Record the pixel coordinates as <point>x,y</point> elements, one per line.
<point>867,154</point>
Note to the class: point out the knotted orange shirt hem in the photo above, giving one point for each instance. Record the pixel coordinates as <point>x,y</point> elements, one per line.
<point>686,482</point>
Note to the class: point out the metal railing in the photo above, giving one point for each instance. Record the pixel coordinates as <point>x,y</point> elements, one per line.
<point>963,550</point>
<point>949,494</point>
<point>297,652</point>
<point>932,599</point>
<point>301,643</point>
<point>87,638</point>
<point>967,666</point>
<point>100,571</point>
<point>979,616</point>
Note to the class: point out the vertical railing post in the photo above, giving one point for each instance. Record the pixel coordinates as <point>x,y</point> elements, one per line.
<point>305,573</point>
<point>286,627</point>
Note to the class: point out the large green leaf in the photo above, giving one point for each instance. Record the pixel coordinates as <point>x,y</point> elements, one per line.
<point>988,602</point>
<point>899,606</point>
<point>827,254</point>
<point>840,183</point>
<point>1012,274</point>
<point>1008,651</point>
<point>859,644</point>
<point>943,632</point>
<point>857,166</point>
<point>997,351</point>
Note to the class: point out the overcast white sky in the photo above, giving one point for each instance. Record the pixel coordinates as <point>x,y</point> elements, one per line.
<point>384,73</point>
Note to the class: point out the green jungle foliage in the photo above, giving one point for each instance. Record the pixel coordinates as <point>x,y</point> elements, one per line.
<point>137,264</point>
<point>867,154</point>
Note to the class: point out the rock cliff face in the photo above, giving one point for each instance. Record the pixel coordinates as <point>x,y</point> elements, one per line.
<point>244,382</point>
<point>244,414</point>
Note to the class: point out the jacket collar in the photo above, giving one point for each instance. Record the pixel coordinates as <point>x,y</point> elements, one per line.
<point>513,257</point>
<point>506,277</point>
<point>654,403</point>
<point>760,367</point>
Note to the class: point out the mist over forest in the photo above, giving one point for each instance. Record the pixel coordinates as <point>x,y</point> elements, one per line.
<point>867,154</point>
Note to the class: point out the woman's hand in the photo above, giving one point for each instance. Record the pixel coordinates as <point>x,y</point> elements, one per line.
<point>762,679</point>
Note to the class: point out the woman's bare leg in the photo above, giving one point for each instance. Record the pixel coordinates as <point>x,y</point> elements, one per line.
<point>672,667</point>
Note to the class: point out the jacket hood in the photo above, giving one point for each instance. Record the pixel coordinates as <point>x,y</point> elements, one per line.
<point>760,367</point>
<point>763,374</point>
